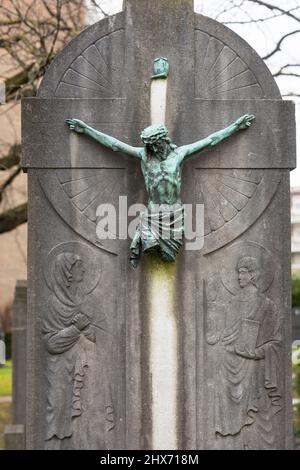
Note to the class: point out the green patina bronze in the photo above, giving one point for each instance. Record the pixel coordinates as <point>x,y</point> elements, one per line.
<point>161,68</point>
<point>161,226</point>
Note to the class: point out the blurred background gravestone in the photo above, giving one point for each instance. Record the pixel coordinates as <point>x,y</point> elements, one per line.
<point>14,437</point>
<point>296,323</point>
<point>15,432</point>
<point>19,345</point>
<point>228,303</point>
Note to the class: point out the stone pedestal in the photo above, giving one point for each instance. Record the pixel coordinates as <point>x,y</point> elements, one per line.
<point>232,297</point>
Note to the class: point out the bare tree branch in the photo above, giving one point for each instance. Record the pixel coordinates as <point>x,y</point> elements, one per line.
<point>271,7</point>
<point>12,218</point>
<point>259,20</point>
<point>8,181</point>
<point>12,158</point>
<point>278,45</point>
<point>285,71</point>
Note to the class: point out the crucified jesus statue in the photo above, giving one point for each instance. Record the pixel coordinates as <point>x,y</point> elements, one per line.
<point>161,164</point>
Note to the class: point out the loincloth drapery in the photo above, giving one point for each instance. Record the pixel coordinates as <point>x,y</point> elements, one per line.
<point>158,230</point>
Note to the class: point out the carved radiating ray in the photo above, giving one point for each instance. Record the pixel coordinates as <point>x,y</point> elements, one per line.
<point>102,47</point>
<point>75,188</point>
<point>224,194</point>
<point>96,72</point>
<point>211,207</point>
<point>72,175</point>
<point>207,227</point>
<point>234,70</point>
<point>253,176</point>
<point>227,210</point>
<point>104,197</point>
<point>85,198</point>
<point>91,54</point>
<point>214,51</point>
<point>202,41</point>
<point>226,59</point>
<point>237,199</point>
<point>233,83</point>
<point>84,67</point>
<point>220,72</point>
<point>87,190</point>
<point>244,187</point>
<point>75,78</point>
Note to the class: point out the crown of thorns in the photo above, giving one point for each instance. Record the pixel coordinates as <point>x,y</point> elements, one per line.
<point>153,133</point>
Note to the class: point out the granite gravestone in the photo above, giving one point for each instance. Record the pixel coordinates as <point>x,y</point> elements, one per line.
<point>14,434</point>
<point>19,346</point>
<point>90,383</point>
<point>14,437</point>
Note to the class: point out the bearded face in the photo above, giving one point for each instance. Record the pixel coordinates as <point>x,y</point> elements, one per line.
<point>156,140</point>
<point>158,148</point>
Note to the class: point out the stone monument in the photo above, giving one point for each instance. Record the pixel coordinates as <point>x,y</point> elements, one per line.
<point>189,354</point>
<point>14,434</point>
<point>19,347</point>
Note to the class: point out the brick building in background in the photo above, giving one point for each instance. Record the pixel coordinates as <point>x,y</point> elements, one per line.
<point>13,244</point>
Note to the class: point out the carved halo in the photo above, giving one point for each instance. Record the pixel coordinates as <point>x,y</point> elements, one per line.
<point>90,257</point>
<point>266,265</point>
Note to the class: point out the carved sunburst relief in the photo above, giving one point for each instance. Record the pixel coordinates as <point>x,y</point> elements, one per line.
<point>96,72</point>
<point>234,199</point>
<point>225,194</point>
<point>87,189</point>
<point>220,72</point>
<point>76,194</point>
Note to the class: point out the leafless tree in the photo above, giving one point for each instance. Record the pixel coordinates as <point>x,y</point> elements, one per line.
<point>264,18</point>
<point>6,317</point>
<point>32,32</point>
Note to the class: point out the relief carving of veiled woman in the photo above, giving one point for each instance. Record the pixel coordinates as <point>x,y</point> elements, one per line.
<point>77,409</point>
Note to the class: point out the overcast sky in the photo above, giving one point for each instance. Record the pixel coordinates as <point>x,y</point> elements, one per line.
<point>262,36</point>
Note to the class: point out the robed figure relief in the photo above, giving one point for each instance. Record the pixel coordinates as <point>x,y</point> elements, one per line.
<point>79,409</point>
<point>245,330</point>
<point>161,227</point>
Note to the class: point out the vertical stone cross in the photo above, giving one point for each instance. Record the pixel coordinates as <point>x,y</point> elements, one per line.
<point>230,300</point>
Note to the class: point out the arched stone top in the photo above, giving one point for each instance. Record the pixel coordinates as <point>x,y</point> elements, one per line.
<point>226,67</point>
<point>92,64</point>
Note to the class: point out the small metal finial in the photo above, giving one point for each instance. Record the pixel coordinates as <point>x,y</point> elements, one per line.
<point>161,68</point>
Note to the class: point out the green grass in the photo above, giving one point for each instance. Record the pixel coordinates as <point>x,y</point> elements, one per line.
<point>6,379</point>
<point>5,418</point>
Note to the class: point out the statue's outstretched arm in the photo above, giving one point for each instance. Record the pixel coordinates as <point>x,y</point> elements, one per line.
<point>110,142</point>
<point>243,122</point>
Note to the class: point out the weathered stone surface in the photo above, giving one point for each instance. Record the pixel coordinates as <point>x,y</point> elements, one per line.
<point>274,129</point>
<point>214,78</point>
<point>19,347</point>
